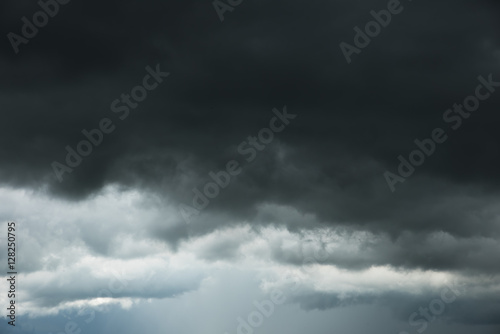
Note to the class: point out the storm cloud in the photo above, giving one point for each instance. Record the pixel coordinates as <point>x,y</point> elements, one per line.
<point>317,186</point>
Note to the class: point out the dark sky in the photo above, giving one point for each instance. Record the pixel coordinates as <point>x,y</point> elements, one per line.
<point>319,184</point>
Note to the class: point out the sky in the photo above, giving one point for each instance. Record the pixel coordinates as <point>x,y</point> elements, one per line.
<point>245,167</point>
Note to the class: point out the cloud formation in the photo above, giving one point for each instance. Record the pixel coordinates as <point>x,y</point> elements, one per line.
<point>317,188</point>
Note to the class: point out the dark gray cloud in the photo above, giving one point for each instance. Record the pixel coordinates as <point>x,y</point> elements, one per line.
<point>437,251</point>
<point>225,80</point>
<point>461,310</point>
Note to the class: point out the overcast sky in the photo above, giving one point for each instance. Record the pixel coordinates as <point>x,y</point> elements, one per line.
<point>119,116</point>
